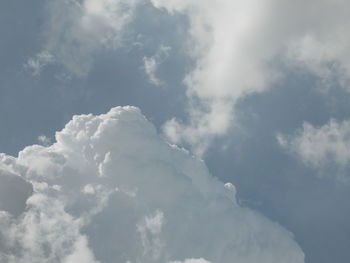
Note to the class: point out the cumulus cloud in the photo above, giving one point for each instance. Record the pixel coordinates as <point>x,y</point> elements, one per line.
<point>110,189</point>
<point>237,46</point>
<point>152,63</point>
<point>319,147</point>
<point>76,30</point>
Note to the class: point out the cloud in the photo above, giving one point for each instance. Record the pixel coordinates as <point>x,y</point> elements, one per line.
<point>192,260</point>
<point>151,64</point>
<point>110,189</point>
<point>238,48</point>
<point>77,30</point>
<point>44,140</point>
<point>36,64</point>
<point>319,147</point>
<point>322,50</point>
<point>14,190</point>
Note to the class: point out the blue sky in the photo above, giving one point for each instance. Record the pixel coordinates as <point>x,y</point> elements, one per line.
<point>257,89</point>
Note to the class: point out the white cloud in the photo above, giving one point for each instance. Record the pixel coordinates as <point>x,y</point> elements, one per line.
<point>76,30</point>
<point>321,146</point>
<point>44,140</point>
<point>151,64</point>
<point>192,260</point>
<point>150,229</point>
<point>81,209</point>
<point>237,46</point>
<point>37,63</point>
<point>322,48</point>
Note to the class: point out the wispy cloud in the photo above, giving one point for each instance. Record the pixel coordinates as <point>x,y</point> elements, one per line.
<point>38,62</point>
<point>151,64</point>
<point>237,46</point>
<point>321,146</point>
<point>76,30</point>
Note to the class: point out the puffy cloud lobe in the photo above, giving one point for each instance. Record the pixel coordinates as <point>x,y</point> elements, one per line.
<point>111,190</point>
<point>319,147</point>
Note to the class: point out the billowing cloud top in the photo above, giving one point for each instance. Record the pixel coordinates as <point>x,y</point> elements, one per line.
<point>112,190</point>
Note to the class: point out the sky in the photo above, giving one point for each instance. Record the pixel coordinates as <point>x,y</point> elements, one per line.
<point>174,131</point>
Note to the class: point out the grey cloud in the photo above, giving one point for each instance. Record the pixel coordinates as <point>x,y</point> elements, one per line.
<point>14,190</point>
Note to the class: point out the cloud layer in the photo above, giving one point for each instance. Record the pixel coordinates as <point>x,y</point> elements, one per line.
<point>111,190</point>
